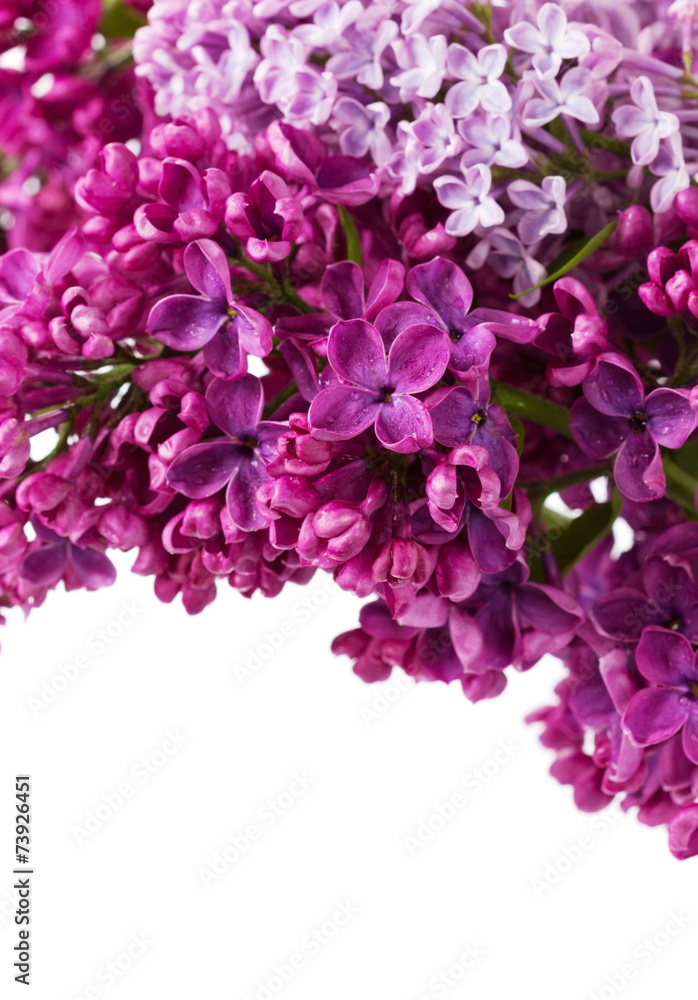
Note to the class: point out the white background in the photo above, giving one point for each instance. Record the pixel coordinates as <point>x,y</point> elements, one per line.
<point>467,914</point>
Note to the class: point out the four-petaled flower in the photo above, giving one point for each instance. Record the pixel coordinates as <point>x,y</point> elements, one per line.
<point>479,74</point>
<point>469,197</point>
<point>645,122</point>
<point>380,391</point>
<point>568,97</point>
<point>214,320</point>
<point>615,416</point>
<point>544,207</point>
<point>551,43</point>
<point>237,460</point>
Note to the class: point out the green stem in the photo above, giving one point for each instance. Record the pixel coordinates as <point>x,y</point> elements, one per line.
<point>534,408</point>
<point>556,483</point>
<point>680,487</point>
<point>273,405</point>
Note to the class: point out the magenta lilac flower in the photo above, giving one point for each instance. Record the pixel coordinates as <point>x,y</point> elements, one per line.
<point>404,293</point>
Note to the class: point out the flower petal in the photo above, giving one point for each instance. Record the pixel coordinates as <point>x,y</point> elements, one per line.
<point>355,351</point>
<point>671,418</point>
<point>596,435</point>
<point>418,358</point>
<point>653,715</point>
<point>613,390</point>
<point>341,412</point>
<point>203,469</point>
<point>343,290</point>
<point>184,322</point>
<point>207,269</point>
<point>665,657</point>
<point>92,567</point>
<point>638,470</point>
<point>248,475</point>
<point>442,285</point>
<point>404,425</point>
<point>236,406</point>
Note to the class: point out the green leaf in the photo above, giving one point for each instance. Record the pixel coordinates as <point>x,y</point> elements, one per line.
<point>535,408</point>
<point>589,247</point>
<point>351,235</point>
<point>120,21</point>
<point>585,532</point>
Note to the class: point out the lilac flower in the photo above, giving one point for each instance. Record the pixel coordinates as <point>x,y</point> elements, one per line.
<point>237,460</point>
<point>429,140</point>
<point>469,198</point>
<point>574,336</point>
<point>423,64</point>
<point>544,207</point>
<point>330,21</point>
<point>377,391</point>
<point>361,49</point>
<point>458,417</point>
<point>551,43</point>
<point>670,166</point>
<point>479,85</point>
<point>82,329</point>
<point>445,295</point>
<point>615,416</point>
<point>494,141</point>
<point>268,218</point>
<point>214,320</point>
<point>365,128</point>
<point>58,558</point>
<point>645,122</point>
<point>668,662</point>
<point>661,595</point>
<point>567,97</point>
<point>190,206</point>
<point>508,258</point>
<point>284,79</point>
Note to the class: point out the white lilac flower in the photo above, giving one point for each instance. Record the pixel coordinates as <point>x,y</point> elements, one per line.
<point>423,64</point>
<point>430,139</point>
<point>479,84</point>
<point>505,254</point>
<point>544,207</point>
<point>567,97</point>
<point>469,197</point>
<point>363,128</point>
<point>493,140</point>
<point>644,122</point>
<point>284,79</point>
<point>330,21</point>
<point>550,43</point>
<point>669,165</point>
<point>361,50</point>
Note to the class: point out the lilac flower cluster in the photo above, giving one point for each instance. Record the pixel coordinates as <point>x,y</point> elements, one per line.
<point>382,292</point>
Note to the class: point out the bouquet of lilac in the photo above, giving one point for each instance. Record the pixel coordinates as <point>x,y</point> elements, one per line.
<point>404,291</point>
